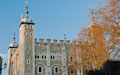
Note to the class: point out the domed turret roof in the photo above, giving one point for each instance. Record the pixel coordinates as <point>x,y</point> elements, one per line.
<point>27,20</point>
<point>13,45</point>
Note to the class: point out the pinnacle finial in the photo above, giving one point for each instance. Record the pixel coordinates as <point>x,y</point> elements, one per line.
<point>92,13</point>
<point>27,8</point>
<point>65,36</point>
<point>21,16</point>
<point>14,36</point>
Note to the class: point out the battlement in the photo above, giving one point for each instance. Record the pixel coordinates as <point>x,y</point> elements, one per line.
<point>49,41</point>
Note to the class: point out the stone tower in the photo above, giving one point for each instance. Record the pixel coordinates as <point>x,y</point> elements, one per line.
<point>11,50</point>
<point>27,44</point>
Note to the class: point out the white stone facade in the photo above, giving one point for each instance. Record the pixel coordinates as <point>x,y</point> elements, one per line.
<point>43,57</point>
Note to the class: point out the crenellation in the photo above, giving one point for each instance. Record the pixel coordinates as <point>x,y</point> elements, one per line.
<point>48,41</point>
<point>68,41</point>
<point>52,42</point>
<point>61,41</point>
<point>74,42</point>
<point>55,42</point>
<point>41,41</point>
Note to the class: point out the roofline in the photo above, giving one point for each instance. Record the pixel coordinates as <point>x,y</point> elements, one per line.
<point>26,23</point>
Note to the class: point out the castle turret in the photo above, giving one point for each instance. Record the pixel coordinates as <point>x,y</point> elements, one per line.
<point>27,43</point>
<point>64,57</point>
<point>11,50</point>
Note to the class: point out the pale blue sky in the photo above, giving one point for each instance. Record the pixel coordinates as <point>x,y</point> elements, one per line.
<point>52,17</point>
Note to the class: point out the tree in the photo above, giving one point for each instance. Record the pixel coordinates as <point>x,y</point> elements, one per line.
<point>97,45</point>
<point>90,48</point>
<point>108,16</point>
<point>101,40</point>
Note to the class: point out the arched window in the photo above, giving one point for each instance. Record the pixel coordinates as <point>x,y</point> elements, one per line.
<point>42,56</point>
<point>45,57</point>
<point>36,56</point>
<point>72,71</point>
<point>71,59</point>
<point>56,69</point>
<point>39,69</point>
<point>51,57</point>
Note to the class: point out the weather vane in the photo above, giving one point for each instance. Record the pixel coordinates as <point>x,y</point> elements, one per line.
<point>26,4</point>
<point>65,35</point>
<point>27,8</point>
<point>14,35</point>
<point>92,13</point>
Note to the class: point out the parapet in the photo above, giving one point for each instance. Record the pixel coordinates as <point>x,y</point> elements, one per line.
<point>49,41</point>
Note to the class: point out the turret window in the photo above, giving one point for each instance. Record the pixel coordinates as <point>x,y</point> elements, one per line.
<point>25,26</point>
<point>31,33</point>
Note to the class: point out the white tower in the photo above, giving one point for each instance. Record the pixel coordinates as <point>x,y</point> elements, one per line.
<point>27,44</point>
